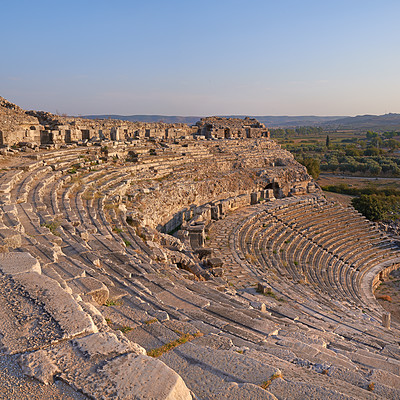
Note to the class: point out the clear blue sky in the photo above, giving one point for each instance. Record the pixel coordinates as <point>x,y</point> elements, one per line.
<point>202,57</point>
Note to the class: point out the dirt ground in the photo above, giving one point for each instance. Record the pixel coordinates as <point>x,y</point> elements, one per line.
<point>343,199</point>
<point>326,179</point>
<point>391,287</point>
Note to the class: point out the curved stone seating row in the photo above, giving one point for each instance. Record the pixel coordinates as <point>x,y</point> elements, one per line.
<point>268,260</point>
<point>368,256</point>
<point>90,221</point>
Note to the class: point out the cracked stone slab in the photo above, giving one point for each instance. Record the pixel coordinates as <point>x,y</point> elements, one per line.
<point>11,238</point>
<point>58,303</point>
<point>139,377</point>
<point>385,377</point>
<point>244,391</point>
<point>94,366</point>
<point>107,344</point>
<point>25,323</point>
<point>90,286</point>
<point>18,263</point>
<point>38,365</point>
<point>300,390</point>
<point>228,364</point>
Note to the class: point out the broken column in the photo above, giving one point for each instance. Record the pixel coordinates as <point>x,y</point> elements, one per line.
<point>386,320</point>
<point>114,134</point>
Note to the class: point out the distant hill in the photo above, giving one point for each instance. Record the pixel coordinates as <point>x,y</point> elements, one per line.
<point>362,122</point>
<point>269,121</point>
<point>371,122</point>
<point>292,121</point>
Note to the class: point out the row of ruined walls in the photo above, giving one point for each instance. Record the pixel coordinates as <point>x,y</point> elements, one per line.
<point>38,135</point>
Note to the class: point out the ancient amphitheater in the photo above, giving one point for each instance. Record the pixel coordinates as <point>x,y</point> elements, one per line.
<point>177,262</point>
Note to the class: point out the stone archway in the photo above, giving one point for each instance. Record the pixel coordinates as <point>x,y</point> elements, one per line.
<point>277,189</point>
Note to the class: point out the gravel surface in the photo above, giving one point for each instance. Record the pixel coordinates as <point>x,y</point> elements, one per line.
<point>15,386</point>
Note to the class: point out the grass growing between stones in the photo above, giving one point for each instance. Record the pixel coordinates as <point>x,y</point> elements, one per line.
<point>251,258</point>
<point>110,303</point>
<point>185,337</point>
<point>151,321</point>
<point>52,227</point>
<point>124,329</point>
<point>87,195</point>
<point>266,384</point>
<point>110,206</point>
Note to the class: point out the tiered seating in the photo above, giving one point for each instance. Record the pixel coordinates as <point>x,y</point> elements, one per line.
<point>310,240</point>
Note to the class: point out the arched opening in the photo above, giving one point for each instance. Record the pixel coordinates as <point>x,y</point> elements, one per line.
<point>276,188</point>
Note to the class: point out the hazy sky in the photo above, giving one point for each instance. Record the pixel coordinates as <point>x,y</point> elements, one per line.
<point>203,57</point>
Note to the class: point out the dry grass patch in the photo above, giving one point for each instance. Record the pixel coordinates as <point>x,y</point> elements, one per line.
<point>185,337</point>
<point>110,303</point>
<point>151,321</point>
<point>124,329</point>
<point>266,384</point>
<point>385,297</point>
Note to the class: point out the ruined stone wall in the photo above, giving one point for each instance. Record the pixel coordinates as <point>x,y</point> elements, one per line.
<point>16,126</point>
<point>231,128</point>
<point>211,172</point>
<point>40,127</point>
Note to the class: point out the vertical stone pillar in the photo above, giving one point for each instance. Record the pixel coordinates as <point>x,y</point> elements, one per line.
<point>386,320</point>
<point>114,134</point>
<point>215,212</point>
<point>253,198</point>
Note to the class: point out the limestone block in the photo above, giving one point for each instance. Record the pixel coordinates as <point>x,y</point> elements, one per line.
<point>254,198</point>
<point>139,377</point>
<point>203,252</point>
<point>218,271</point>
<point>160,315</point>
<point>170,241</point>
<point>263,288</point>
<point>38,365</point>
<point>244,391</point>
<point>214,341</point>
<point>301,390</point>
<point>299,348</point>
<point>386,320</point>
<point>10,237</point>
<point>97,317</point>
<point>157,252</point>
<point>18,263</point>
<point>385,378</point>
<point>182,260</point>
<point>90,286</point>
<point>107,344</point>
<point>58,303</point>
<point>373,362</point>
<point>229,363</point>
<point>215,262</point>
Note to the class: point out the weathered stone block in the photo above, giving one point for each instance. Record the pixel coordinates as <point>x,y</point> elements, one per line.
<point>18,263</point>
